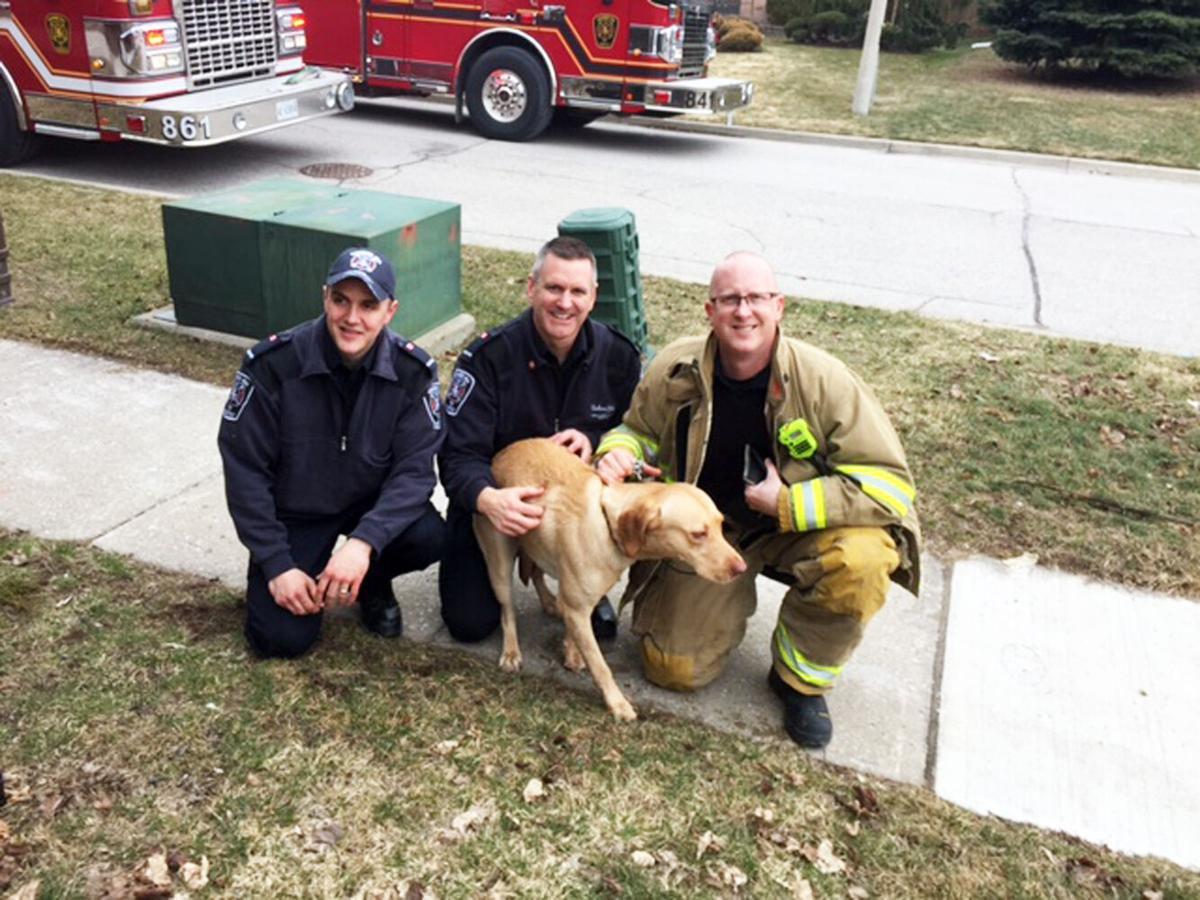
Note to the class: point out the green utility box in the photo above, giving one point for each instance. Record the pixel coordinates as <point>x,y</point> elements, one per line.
<point>611,232</point>
<point>251,260</point>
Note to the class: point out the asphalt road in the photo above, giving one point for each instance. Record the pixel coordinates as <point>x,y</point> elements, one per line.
<point>1103,257</point>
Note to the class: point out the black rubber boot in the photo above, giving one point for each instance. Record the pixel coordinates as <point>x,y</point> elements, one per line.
<point>381,614</point>
<point>805,716</point>
<point>604,621</point>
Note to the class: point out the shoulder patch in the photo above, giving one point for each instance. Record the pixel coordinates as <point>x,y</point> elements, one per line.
<point>461,385</point>
<point>274,342</point>
<point>239,397</point>
<point>433,404</point>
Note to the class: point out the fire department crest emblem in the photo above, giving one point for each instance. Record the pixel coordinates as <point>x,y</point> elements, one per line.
<point>59,29</point>
<point>605,28</point>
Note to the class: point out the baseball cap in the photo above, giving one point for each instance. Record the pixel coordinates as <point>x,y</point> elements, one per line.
<point>369,267</point>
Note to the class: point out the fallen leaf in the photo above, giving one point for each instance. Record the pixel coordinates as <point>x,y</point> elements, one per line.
<point>988,357</point>
<point>763,814</point>
<point>103,803</point>
<point>853,828</point>
<point>708,841</point>
<point>858,893</point>
<point>1152,895</point>
<point>5,834</point>
<point>731,875</point>
<point>445,748</point>
<point>155,870</point>
<point>534,790</point>
<point>26,892</point>
<point>1114,437</point>
<point>642,858</point>
<point>470,820</point>
<point>826,861</point>
<point>1195,405</point>
<point>802,890</point>
<point>51,805</point>
<point>18,559</point>
<point>193,875</point>
<point>956,392</point>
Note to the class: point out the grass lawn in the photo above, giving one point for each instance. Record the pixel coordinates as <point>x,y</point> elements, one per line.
<point>1087,455</point>
<point>970,97</point>
<point>136,737</point>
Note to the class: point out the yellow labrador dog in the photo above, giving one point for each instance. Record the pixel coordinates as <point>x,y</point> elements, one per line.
<point>589,534</point>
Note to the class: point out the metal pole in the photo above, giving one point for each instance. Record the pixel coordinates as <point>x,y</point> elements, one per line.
<point>868,64</point>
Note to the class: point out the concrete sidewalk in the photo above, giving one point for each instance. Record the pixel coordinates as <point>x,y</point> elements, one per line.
<point>1006,688</point>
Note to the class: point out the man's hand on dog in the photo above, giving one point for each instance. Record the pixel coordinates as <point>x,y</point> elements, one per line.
<point>509,509</point>
<point>617,465</point>
<point>338,585</point>
<point>764,496</point>
<point>575,441</point>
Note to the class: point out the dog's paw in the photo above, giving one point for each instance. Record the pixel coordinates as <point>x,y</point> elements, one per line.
<point>510,661</point>
<point>623,711</point>
<point>572,658</point>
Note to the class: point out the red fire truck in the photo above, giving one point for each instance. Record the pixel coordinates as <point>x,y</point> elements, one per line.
<point>516,64</point>
<point>177,72</point>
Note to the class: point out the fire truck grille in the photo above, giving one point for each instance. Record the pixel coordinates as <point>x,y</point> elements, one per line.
<point>695,39</point>
<point>227,41</point>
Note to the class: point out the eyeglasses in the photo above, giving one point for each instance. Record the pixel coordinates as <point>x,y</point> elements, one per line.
<point>755,300</point>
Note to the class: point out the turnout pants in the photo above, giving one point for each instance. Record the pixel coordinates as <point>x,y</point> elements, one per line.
<point>839,579</point>
<point>273,631</point>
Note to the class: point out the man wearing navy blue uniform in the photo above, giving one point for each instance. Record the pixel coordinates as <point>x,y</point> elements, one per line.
<point>331,429</point>
<point>550,372</point>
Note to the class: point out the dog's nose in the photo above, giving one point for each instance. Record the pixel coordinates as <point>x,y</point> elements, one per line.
<point>737,567</point>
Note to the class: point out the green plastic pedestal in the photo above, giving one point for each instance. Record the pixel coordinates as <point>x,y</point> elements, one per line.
<point>611,232</point>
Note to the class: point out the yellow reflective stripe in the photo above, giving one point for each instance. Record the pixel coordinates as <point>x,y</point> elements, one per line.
<point>800,665</point>
<point>808,505</point>
<point>615,439</point>
<point>882,486</point>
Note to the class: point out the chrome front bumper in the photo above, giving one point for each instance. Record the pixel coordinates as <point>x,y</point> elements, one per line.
<point>208,117</point>
<point>703,96</point>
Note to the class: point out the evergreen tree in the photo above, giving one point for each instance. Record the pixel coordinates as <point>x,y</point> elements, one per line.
<point>1133,38</point>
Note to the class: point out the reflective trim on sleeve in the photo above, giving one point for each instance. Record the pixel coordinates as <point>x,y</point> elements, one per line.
<point>883,487</point>
<point>808,505</point>
<point>803,668</point>
<point>640,446</point>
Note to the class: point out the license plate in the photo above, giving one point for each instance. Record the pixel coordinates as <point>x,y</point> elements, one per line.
<point>287,109</point>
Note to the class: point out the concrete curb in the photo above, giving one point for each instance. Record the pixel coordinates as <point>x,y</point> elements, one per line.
<point>1077,164</point>
<point>920,148</point>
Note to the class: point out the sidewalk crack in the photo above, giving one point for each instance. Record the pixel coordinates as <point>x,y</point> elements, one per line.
<point>149,509</point>
<point>1026,217</point>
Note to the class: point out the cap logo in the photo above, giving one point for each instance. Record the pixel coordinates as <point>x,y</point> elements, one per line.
<point>365,261</point>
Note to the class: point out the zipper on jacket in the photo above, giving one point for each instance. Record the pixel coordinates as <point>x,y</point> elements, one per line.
<point>343,443</point>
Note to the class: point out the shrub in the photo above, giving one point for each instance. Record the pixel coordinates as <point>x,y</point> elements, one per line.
<point>919,24</point>
<point>780,12</point>
<point>1130,38</point>
<point>740,36</point>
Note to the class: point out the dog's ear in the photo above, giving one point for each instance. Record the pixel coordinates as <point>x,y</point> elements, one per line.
<point>633,526</point>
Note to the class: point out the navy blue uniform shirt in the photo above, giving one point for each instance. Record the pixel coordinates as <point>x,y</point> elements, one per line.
<point>303,437</point>
<point>508,385</point>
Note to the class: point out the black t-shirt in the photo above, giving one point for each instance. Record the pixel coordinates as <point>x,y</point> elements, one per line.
<point>739,418</point>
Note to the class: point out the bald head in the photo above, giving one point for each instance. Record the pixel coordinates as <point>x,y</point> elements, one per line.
<point>743,267</point>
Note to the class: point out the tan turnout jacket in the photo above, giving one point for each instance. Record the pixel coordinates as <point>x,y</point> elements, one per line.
<point>868,482</point>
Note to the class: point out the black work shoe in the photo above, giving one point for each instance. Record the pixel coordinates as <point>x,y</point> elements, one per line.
<point>604,621</point>
<point>805,716</point>
<point>380,613</point>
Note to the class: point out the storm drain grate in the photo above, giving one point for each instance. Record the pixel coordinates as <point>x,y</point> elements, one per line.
<point>336,171</point>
